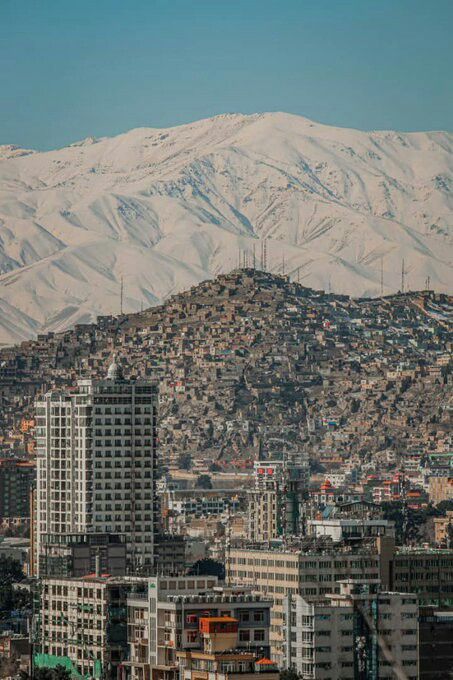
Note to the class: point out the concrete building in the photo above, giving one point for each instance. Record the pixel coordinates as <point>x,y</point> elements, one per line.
<point>308,571</point>
<point>443,530</point>
<point>96,463</point>
<point>16,480</point>
<point>436,648</point>
<point>77,555</point>
<point>440,489</point>
<point>425,571</point>
<point>361,632</point>
<point>82,625</point>
<point>179,620</point>
<point>346,529</point>
<point>276,500</point>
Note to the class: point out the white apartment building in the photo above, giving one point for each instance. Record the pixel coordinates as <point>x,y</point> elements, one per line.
<point>96,451</point>
<point>360,632</point>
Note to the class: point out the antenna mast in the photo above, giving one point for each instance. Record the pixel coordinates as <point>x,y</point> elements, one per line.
<point>121,296</point>
<point>402,276</point>
<point>382,276</point>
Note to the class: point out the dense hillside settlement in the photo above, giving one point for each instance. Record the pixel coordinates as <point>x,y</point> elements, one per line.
<point>252,361</point>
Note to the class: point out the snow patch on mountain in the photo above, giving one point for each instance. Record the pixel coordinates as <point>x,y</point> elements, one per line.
<point>163,209</point>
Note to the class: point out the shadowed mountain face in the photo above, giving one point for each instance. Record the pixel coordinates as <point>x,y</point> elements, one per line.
<point>164,209</point>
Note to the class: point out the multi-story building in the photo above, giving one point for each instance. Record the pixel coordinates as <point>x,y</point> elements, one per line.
<point>425,571</point>
<point>362,632</point>
<point>443,530</point>
<point>276,499</point>
<point>96,451</point>
<point>82,625</point>
<point>350,529</point>
<point>177,620</point>
<point>76,555</point>
<point>16,480</point>
<point>436,648</point>
<point>440,489</point>
<point>309,571</point>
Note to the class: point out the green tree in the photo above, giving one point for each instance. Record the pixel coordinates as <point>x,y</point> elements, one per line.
<point>203,482</point>
<point>185,461</point>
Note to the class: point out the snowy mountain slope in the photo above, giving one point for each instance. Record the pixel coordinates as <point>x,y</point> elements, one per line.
<point>165,209</point>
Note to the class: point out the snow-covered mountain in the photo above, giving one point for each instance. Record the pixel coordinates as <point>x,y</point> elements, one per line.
<point>164,209</point>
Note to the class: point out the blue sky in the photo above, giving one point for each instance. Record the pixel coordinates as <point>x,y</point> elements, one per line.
<point>72,68</point>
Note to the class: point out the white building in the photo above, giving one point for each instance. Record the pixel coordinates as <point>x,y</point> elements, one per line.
<point>360,632</point>
<point>96,450</point>
<point>343,528</point>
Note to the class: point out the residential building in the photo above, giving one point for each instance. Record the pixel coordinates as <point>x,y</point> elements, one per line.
<point>82,625</point>
<point>96,451</point>
<point>16,480</point>
<point>362,632</point>
<point>306,569</point>
<point>443,530</point>
<point>440,489</point>
<point>191,622</point>
<point>276,501</point>
<point>436,648</point>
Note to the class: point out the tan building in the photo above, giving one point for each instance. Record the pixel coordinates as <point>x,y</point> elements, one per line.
<point>82,625</point>
<point>279,572</point>
<point>443,526</point>
<point>186,624</point>
<point>440,489</point>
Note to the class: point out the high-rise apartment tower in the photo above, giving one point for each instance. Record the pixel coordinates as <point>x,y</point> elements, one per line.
<point>96,451</point>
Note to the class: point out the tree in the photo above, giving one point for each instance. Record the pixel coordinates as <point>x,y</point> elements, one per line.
<point>289,674</point>
<point>203,482</point>
<point>11,573</point>
<point>208,567</point>
<point>44,673</point>
<point>185,461</point>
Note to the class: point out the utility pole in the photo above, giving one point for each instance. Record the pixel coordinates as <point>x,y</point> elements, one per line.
<point>253,256</point>
<point>382,276</point>
<point>265,254</point>
<point>121,296</point>
<point>402,276</point>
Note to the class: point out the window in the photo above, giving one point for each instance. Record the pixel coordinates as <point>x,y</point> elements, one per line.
<point>244,635</point>
<point>259,635</point>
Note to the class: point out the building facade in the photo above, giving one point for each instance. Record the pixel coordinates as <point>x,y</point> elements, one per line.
<point>16,480</point>
<point>361,632</point>
<point>276,500</point>
<point>96,452</point>
<point>279,572</point>
<point>178,618</point>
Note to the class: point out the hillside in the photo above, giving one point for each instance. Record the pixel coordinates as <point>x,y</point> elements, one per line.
<point>251,361</point>
<point>165,209</point>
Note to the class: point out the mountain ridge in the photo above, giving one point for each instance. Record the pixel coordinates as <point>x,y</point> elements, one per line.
<point>164,208</point>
